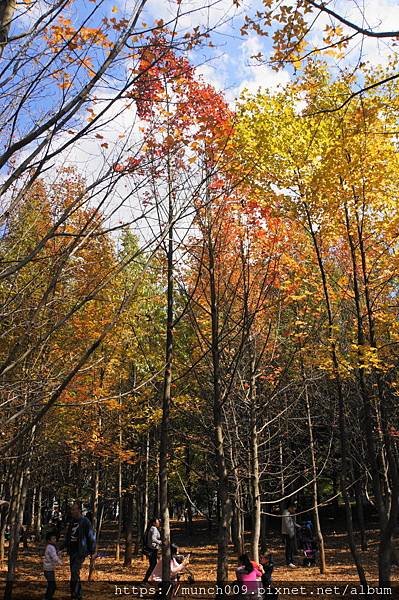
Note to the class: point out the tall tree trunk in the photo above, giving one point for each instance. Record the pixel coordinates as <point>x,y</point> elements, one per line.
<point>146,489</point>
<point>375,452</point>
<point>388,461</point>
<point>239,542</point>
<point>7,10</point>
<point>18,495</point>
<point>319,533</point>
<point>128,530</point>
<point>96,495</point>
<point>252,397</point>
<point>156,505</point>
<point>166,395</point>
<point>120,481</point>
<point>139,518</point>
<point>360,511</point>
<point>238,512</point>
<point>221,468</point>
<point>38,521</point>
<point>281,459</point>
<point>32,515</point>
<point>343,434</point>
<point>120,515</point>
<point>255,488</point>
<point>189,508</point>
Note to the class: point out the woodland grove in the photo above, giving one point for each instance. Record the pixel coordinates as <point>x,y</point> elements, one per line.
<point>211,319</point>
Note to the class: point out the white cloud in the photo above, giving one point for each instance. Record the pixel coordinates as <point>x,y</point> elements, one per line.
<point>255,75</point>
<point>214,73</point>
<point>209,14</point>
<point>378,15</point>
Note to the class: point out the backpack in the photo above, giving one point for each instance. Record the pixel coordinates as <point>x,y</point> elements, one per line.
<point>147,550</point>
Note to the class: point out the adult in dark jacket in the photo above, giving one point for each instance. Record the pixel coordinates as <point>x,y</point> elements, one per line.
<point>152,544</point>
<point>80,542</point>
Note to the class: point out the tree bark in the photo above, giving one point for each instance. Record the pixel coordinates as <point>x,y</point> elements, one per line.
<point>128,530</point>
<point>189,508</point>
<point>343,434</point>
<point>96,495</point>
<point>7,10</point>
<point>120,481</point>
<point>167,393</point>
<point>319,533</point>
<point>256,499</point>
<point>223,479</point>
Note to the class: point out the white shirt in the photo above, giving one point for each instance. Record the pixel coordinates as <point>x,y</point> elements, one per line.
<point>288,524</point>
<point>154,538</point>
<point>175,568</point>
<point>51,559</point>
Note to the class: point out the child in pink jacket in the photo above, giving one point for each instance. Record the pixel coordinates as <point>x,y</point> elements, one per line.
<point>248,576</point>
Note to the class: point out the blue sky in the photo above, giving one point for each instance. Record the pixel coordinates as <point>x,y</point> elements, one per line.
<point>228,65</point>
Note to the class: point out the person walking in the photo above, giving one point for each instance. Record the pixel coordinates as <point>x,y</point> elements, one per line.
<point>80,542</point>
<point>288,528</point>
<point>51,561</point>
<point>152,544</point>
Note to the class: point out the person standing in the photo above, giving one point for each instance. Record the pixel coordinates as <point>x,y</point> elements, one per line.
<point>288,527</point>
<point>151,546</point>
<point>51,561</point>
<point>80,542</point>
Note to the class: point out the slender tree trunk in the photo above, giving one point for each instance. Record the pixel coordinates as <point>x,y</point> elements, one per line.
<point>255,488</point>
<point>18,495</point>
<point>32,509</point>
<point>343,435</point>
<point>120,515</point>
<point>374,451</point>
<point>319,533</point>
<point>100,521</point>
<point>96,495</point>
<point>237,513</point>
<point>128,530</point>
<point>4,510</point>
<point>167,392</point>
<point>189,508</point>
<point>156,504</point>
<point>281,457</point>
<point>38,522</point>
<point>239,517</point>
<point>223,479</point>
<point>360,511</point>
<point>146,482</point>
<point>139,527</point>
<point>263,533</point>
<point>120,497</point>
<point>2,542</point>
<point>388,462</point>
<point>7,10</point>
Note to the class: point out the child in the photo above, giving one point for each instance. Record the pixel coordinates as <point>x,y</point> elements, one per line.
<point>248,576</point>
<point>267,565</point>
<point>50,561</point>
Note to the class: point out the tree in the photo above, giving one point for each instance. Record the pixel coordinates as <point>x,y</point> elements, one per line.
<point>293,25</point>
<point>308,161</point>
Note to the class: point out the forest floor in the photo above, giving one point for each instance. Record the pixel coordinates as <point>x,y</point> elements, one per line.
<point>30,582</point>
